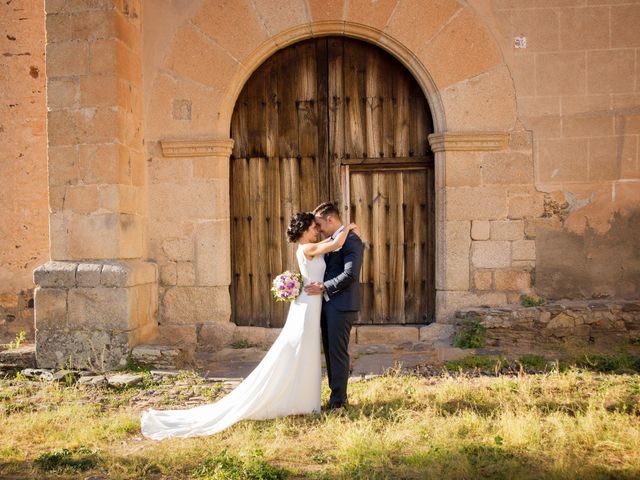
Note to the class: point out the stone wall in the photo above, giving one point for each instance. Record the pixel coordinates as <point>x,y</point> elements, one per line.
<point>536,148</point>
<point>567,327</point>
<point>23,162</point>
<point>578,90</point>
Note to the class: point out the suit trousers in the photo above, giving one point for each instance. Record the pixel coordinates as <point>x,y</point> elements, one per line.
<point>336,330</point>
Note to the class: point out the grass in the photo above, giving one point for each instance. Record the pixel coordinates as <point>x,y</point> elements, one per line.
<point>568,422</point>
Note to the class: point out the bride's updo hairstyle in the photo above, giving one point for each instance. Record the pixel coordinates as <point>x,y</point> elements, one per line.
<point>299,224</point>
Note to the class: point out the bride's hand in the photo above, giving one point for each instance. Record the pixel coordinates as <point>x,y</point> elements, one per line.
<point>354,228</point>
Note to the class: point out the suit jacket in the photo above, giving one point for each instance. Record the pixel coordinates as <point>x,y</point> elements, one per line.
<point>342,274</point>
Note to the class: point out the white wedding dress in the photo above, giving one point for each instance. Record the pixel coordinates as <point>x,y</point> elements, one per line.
<point>285,382</point>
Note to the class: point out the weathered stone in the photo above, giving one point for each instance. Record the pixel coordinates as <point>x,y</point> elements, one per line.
<point>56,274</point>
<point>480,229</point>
<point>214,336</point>
<point>491,254</point>
<point>50,307</point>
<point>436,332</point>
<point>92,380</point>
<point>190,305</point>
<point>88,274</point>
<point>387,334</point>
<point>124,379</point>
<point>507,230</point>
<point>23,357</point>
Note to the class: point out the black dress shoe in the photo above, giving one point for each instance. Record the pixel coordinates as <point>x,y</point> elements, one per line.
<point>336,406</point>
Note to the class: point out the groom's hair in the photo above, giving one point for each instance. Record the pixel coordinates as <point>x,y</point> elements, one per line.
<point>327,209</point>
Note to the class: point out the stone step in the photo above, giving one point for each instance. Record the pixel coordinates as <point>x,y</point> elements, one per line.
<point>21,357</point>
<point>163,356</point>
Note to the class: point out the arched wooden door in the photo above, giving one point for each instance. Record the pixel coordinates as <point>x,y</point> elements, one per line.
<point>338,119</point>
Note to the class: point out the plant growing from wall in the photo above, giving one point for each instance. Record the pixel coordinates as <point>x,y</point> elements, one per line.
<point>472,334</point>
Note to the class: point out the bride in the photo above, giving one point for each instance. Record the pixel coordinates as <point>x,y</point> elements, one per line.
<point>287,380</point>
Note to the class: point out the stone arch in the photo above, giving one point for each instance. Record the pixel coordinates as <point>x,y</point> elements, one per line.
<point>444,45</point>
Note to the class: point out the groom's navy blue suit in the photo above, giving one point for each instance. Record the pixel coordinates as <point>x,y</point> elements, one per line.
<point>342,286</point>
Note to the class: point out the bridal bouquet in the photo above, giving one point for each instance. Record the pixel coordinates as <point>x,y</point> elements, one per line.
<point>286,286</point>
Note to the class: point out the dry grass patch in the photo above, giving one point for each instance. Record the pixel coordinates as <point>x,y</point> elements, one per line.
<point>560,424</point>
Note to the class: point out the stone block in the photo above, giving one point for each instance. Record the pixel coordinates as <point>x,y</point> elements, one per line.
<point>482,280</point>
<point>480,230</point>
<point>204,62</point>
<point>588,125</point>
<point>561,73</point>
<point>180,335</point>
<point>523,250</point>
<point>507,230</point>
<point>624,23</point>
<point>88,274</point>
<point>475,203</point>
<point>102,56</point>
<point>541,27</point>
<point>99,163</point>
<point>449,302</point>
<point>178,249</point>
<point>98,90</point>
<point>457,243</point>
<point>191,305</point>
<point>389,334</point>
<point>521,206</point>
<point>610,71</point>
<point>516,280</point>
<point>436,333</point>
<point>126,273</point>
<point>56,274</point>
<point>462,169</point>
<point>462,49</point>
<point>507,168</point>
<point>484,102</point>
<point>491,254</point>
<point>214,336</point>
<point>168,274</point>
<point>93,349</point>
<point>65,59</point>
<point>584,28</point>
<point>563,159</point>
<point>186,275</point>
<point>202,201</point>
<point>50,307</point>
<point>212,251</point>
<point>62,93</point>
<point>234,25</point>
<point>106,308</point>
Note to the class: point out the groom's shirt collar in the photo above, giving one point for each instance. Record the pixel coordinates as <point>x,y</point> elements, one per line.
<point>340,228</point>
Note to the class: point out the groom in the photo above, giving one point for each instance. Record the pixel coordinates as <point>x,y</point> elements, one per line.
<point>341,292</point>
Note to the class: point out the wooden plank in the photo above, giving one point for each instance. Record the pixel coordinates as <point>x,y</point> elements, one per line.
<point>260,308</point>
<point>413,186</point>
<point>323,127</point>
<point>354,74</point>
<point>335,95</point>
<point>373,105</point>
<point>395,241</point>
<point>239,127</point>
<point>256,117</point>
<point>360,194</point>
<point>379,247</point>
<point>306,101</point>
<point>287,115</point>
<point>401,113</point>
<point>271,114</point>
<point>276,235</point>
<point>241,243</point>
<point>386,92</point>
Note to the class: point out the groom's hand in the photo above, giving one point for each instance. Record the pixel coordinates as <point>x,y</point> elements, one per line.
<point>314,288</point>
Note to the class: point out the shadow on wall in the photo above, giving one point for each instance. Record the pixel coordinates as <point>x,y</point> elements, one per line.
<point>591,265</point>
